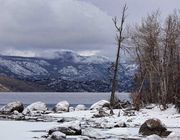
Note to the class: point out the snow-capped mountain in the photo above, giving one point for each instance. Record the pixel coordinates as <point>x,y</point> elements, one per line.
<point>68,71</point>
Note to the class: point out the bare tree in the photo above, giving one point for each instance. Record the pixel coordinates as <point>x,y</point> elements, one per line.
<point>157,49</point>
<point>119,38</point>
<point>146,41</point>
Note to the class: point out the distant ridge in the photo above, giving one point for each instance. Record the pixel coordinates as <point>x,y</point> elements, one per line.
<point>67,72</point>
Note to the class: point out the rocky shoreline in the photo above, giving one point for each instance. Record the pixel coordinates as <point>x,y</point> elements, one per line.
<point>89,123</point>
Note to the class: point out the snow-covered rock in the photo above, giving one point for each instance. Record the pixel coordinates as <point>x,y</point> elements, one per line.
<point>105,122</point>
<point>100,104</point>
<point>71,109</point>
<point>35,108</point>
<point>153,126</point>
<point>101,113</point>
<point>15,112</point>
<point>94,133</point>
<point>57,135</point>
<point>62,106</point>
<point>68,128</point>
<point>11,107</point>
<point>80,108</point>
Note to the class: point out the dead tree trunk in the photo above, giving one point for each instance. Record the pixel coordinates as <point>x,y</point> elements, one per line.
<point>120,39</point>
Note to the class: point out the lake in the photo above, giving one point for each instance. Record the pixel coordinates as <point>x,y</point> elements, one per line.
<point>52,98</point>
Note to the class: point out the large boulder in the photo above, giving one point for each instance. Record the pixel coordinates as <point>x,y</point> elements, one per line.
<point>11,107</point>
<point>62,106</point>
<point>153,126</point>
<point>35,109</point>
<point>80,108</point>
<point>57,135</point>
<point>100,104</point>
<point>68,128</point>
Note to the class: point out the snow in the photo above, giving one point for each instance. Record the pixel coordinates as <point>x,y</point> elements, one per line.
<point>15,68</point>
<point>57,135</point>
<point>80,107</point>
<point>153,137</point>
<point>42,62</point>
<point>94,133</point>
<point>174,136</point>
<point>36,69</point>
<point>124,132</point>
<point>169,117</point>
<point>100,104</point>
<point>75,114</point>
<point>34,108</point>
<point>62,106</point>
<point>69,70</point>
<point>69,128</point>
<point>23,130</point>
<point>24,68</point>
<point>12,106</point>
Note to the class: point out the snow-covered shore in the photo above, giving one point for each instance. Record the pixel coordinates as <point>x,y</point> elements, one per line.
<point>120,125</point>
<point>170,117</point>
<point>106,125</point>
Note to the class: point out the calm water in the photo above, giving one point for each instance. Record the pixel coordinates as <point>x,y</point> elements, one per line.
<point>51,98</point>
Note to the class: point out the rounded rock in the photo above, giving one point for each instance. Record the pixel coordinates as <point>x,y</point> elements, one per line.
<point>80,108</point>
<point>62,106</point>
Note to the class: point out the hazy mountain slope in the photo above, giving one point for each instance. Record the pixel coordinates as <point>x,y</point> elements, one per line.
<point>10,84</point>
<point>3,88</point>
<point>68,71</point>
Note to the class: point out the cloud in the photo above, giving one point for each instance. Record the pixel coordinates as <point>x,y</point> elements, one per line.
<point>31,27</point>
<point>41,27</point>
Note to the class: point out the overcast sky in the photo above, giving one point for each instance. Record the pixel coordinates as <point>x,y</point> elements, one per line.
<point>41,27</point>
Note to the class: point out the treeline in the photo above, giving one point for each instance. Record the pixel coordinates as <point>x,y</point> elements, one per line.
<point>157,49</point>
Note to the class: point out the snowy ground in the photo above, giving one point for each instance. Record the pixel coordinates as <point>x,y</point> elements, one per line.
<point>169,117</point>
<point>20,130</point>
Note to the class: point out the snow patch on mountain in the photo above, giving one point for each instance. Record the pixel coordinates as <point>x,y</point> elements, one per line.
<point>15,68</point>
<point>69,70</point>
<point>23,68</point>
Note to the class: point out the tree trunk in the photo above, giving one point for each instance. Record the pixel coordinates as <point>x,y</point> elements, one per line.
<point>120,38</point>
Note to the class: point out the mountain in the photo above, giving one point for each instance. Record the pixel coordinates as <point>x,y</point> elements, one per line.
<point>8,84</point>
<point>67,72</point>
<point>3,88</point>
